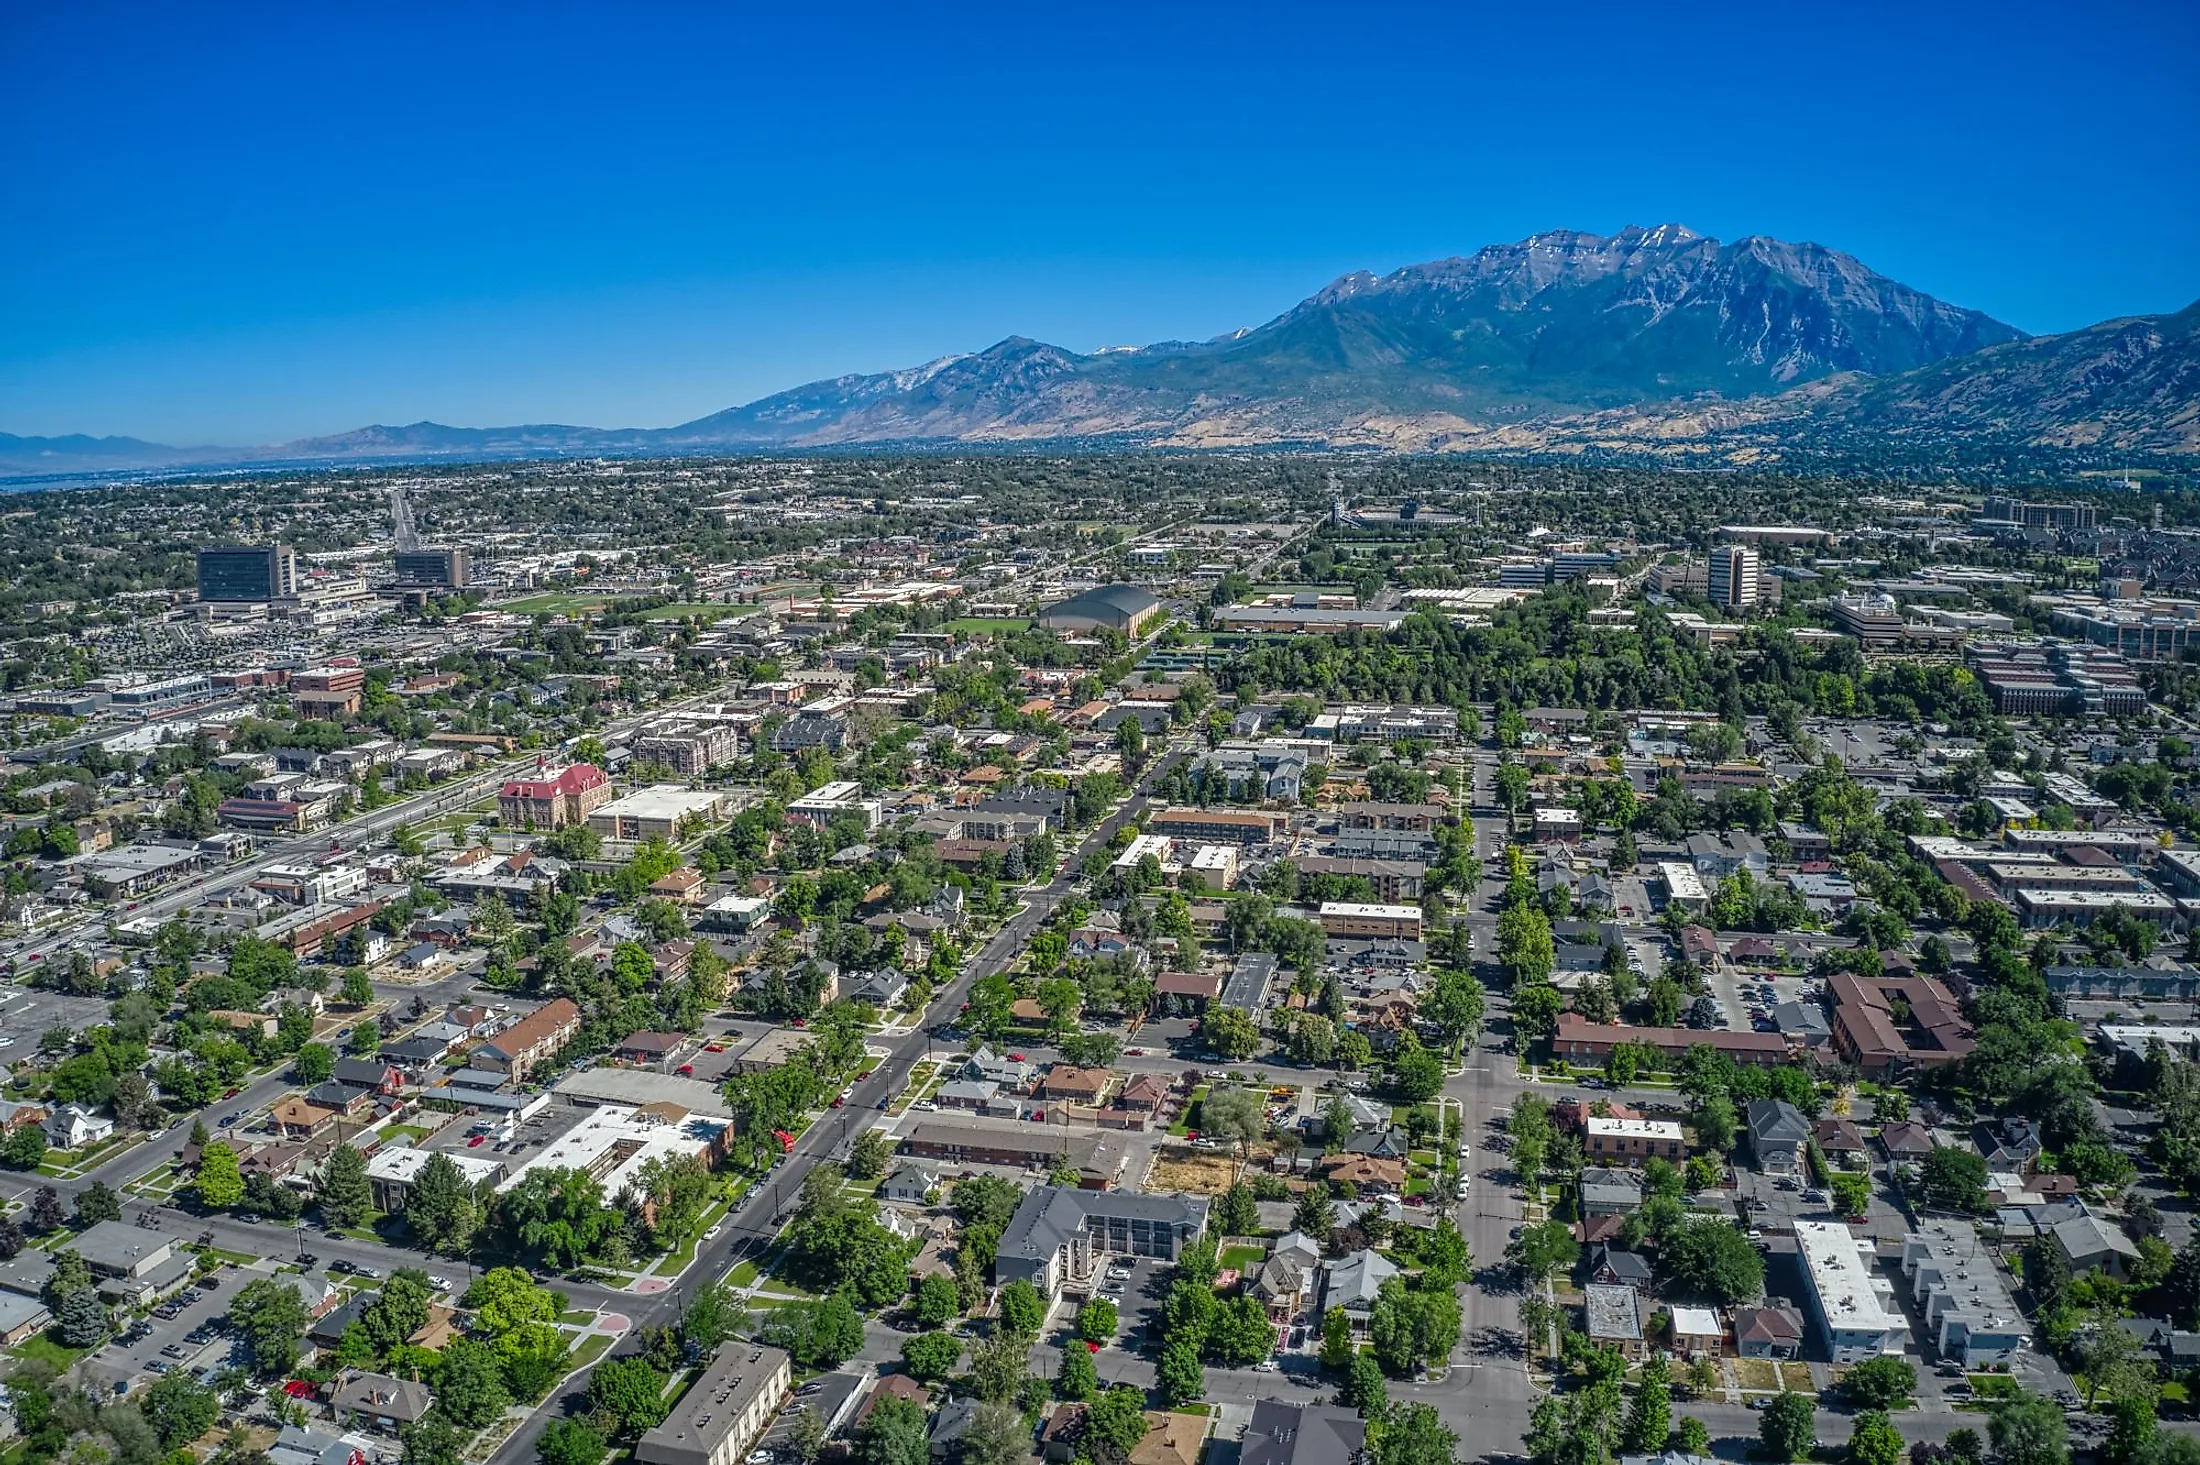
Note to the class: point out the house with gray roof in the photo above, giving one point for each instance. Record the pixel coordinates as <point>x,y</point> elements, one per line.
<point>1777,1133</point>
<point>1353,1283</point>
<point>1302,1434</point>
<point>1612,1317</point>
<point>1608,1192</point>
<point>2092,1245</point>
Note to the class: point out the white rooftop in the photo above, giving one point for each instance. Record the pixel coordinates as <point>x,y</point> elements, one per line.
<point>1842,1282</point>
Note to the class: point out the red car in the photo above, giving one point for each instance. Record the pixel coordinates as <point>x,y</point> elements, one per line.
<point>685,1070</point>
<point>232,1093</point>
<point>1134,1052</point>
<point>1015,1057</point>
<point>475,1142</point>
<point>838,1100</point>
<point>801,1022</point>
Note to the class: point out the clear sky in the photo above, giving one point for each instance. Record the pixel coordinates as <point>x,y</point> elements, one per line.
<point>242,224</point>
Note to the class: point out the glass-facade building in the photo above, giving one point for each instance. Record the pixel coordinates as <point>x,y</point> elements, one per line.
<point>248,572</point>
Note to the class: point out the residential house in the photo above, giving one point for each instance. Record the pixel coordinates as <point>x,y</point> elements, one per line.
<point>909,1183</point>
<point>1840,1141</point>
<point>1613,1267</point>
<point>1066,1083</point>
<point>1368,1174</point>
<point>2009,1144</point>
<point>1353,1283</point>
<point>1767,1332</point>
<point>1777,1134</point>
<point>1697,1332</point>
<point>1906,1141</point>
<point>1612,1318</point>
<point>2092,1245</point>
<point>1633,1140</point>
<point>72,1126</point>
<point>1282,1433</point>
<point>1608,1192</point>
<point>379,1402</point>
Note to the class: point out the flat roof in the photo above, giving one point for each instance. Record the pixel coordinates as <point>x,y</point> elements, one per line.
<point>404,1165</point>
<point>1682,880</point>
<point>1366,911</point>
<point>1841,1281</point>
<point>640,1086</point>
<point>1634,1128</point>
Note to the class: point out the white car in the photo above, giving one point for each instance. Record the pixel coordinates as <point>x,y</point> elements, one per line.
<point>1266,1365</point>
<point>440,1284</point>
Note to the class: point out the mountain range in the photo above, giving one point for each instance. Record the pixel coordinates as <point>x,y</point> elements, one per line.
<point>1658,340</point>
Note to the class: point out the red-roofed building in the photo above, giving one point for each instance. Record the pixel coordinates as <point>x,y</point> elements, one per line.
<point>553,800</point>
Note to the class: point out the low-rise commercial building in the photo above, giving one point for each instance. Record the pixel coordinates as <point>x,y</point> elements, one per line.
<point>1377,922</point>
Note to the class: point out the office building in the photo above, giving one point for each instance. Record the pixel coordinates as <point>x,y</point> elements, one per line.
<point>248,573</point>
<point>553,798</point>
<point>689,749</point>
<point>1732,579</point>
<point>432,569</point>
<point>328,693</point>
<point>2061,518</point>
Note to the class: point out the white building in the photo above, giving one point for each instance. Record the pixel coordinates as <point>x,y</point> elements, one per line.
<point>1683,886</point>
<point>1732,579</point>
<point>1960,1291</point>
<point>614,1142</point>
<point>835,799</point>
<point>655,812</point>
<point>1856,1320</point>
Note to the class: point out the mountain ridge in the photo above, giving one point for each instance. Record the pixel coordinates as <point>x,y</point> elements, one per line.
<point>1563,340</point>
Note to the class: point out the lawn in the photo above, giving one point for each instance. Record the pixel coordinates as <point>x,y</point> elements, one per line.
<point>591,1348</point>
<point>1243,1258</point>
<point>44,1345</point>
<point>744,1275</point>
<point>1994,1386</point>
<point>987,625</point>
<point>412,1134</point>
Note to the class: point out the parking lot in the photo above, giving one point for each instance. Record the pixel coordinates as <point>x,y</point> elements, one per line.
<point>135,1362</point>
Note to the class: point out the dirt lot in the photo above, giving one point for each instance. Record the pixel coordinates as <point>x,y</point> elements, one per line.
<point>1198,1172</point>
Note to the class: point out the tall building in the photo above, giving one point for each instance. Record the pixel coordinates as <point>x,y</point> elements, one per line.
<point>1732,580</point>
<point>432,569</point>
<point>247,573</point>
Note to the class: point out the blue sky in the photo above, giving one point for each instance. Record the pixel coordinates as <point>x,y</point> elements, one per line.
<point>240,224</point>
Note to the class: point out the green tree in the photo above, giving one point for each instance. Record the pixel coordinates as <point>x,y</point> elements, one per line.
<point>867,1161</point>
<point>271,1318</point>
<point>1114,1425</point>
<point>1409,1329</point>
<point>627,1395</point>
<point>82,1320</point>
<point>1543,1249</point>
<point>1789,1426</point>
<point>315,1063</point>
<point>220,1183</point>
<point>469,1387</point>
<point>1852,1194</point>
<point>432,1440</point>
<point>1414,1434</point>
<point>1880,1383</point>
<point>441,1209</point>
<point>25,1149</point>
<point>346,1196</point>
<point>2029,1430</point>
<point>894,1434</point>
<point>1954,1179</point>
<point>997,1436</point>
<point>1874,1440</point>
<point>1693,1437</point>
<point>1650,1417</point>
<point>571,1442</point>
<point>931,1356</point>
<point>1179,1374</point>
<point>1364,1389</point>
<point>1096,1320</point>
<point>1078,1379</point>
<point>1023,1311</point>
<point>998,1365</point>
<point>1337,1348</point>
<point>1230,1034</point>
<point>357,989</point>
<point>97,1202</point>
<point>938,1301</point>
<point>179,1409</point>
